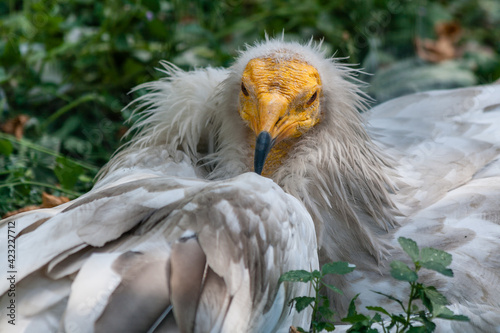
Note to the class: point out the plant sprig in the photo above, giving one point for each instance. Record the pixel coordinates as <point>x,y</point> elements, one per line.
<point>322,315</point>
<point>412,318</point>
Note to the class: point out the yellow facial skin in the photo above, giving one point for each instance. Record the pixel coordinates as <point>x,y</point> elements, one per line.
<point>282,98</point>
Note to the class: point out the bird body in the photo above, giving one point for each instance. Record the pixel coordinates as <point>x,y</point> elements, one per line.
<point>178,219</point>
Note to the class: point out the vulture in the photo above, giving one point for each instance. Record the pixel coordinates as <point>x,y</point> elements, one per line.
<point>235,176</point>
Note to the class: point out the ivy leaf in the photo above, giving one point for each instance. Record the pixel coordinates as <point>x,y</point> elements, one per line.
<point>303,302</point>
<point>400,271</point>
<point>410,247</point>
<point>339,267</point>
<point>296,276</point>
<point>436,260</point>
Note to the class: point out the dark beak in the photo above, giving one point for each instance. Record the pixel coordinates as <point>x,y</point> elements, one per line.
<point>263,145</point>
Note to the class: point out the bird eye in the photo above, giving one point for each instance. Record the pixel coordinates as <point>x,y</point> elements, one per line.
<point>312,99</point>
<point>244,89</point>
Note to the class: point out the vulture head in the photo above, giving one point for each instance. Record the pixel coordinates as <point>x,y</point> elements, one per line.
<point>279,101</point>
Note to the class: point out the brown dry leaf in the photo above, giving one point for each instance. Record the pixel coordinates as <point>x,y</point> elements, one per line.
<point>21,210</point>
<point>444,47</point>
<point>15,126</point>
<point>293,330</point>
<point>48,201</point>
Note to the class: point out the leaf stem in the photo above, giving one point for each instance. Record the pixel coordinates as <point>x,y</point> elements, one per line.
<point>75,194</point>
<point>31,145</point>
<point>317,287</point>
<point>82,99</point>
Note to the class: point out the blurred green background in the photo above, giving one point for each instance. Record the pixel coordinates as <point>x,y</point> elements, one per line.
<point>68,65</point>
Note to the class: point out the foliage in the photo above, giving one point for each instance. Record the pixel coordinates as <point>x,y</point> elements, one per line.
<point>413,318</point>
<point>322,315</point>
<point>68,64</point>
<point>29,168</point>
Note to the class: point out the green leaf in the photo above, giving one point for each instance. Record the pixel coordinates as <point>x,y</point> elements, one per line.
<point>352,306</point>
<point>329,327</point>
<point>67,172</point>
<point>326,312</point>
<point>303,302</point>
<point>316,274</point>
<point>436,260</point>
<point>419,329</point>
<point>410,247</point>
<point>400,271</point>
<point>356,318</point>
<point>445,313</point>
<point>428,324</point>
<point>399,318</point>
<point>319,325</point>
<point>296,276</point>
<point>390,297</point>
<point>331,287</point>
<point>379,309</point>
<point>425,301</point>
<point>6,147</point>
<point>377,317</point>
<point>339,267</point>
<point>435,296</point>
<point>454,317</point>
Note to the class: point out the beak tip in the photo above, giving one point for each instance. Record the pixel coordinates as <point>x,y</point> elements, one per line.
<point>263,145</point>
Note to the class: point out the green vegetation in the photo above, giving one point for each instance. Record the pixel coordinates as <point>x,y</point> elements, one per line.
<point>412,318</point>
<point>322,314</point>
<point>69,64</point>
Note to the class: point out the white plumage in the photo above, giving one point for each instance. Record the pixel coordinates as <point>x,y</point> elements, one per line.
<point>175,218</point>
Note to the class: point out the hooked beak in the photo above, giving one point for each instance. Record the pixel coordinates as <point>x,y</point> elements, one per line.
<point>266,127</point>
<point>263,145</point>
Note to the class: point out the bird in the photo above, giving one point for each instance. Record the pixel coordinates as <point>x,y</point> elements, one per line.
<point>237,175</point>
